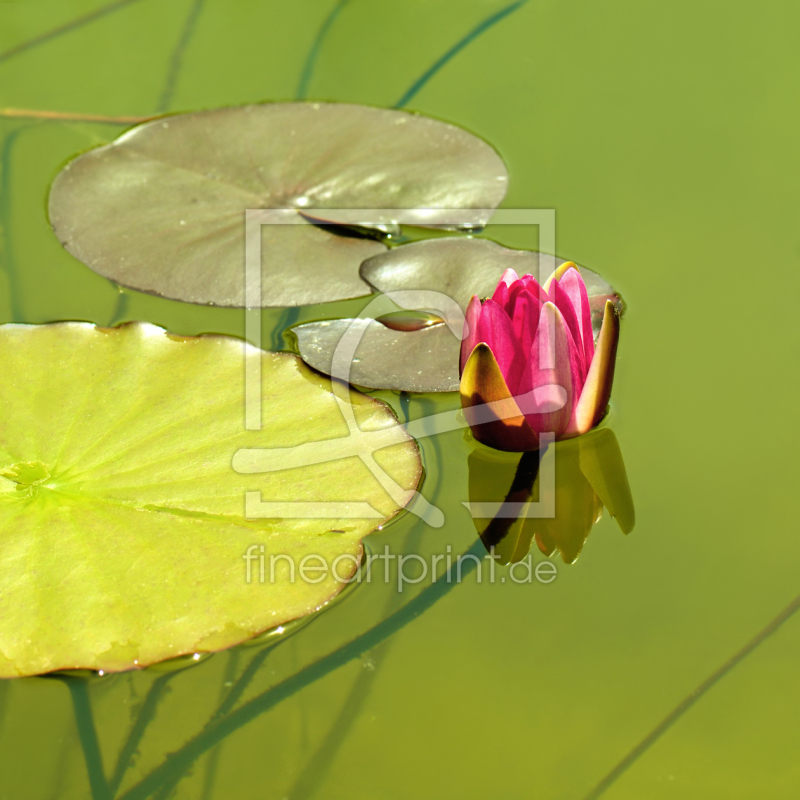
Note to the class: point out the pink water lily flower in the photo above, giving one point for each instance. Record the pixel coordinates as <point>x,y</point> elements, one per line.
<point>529,363</point>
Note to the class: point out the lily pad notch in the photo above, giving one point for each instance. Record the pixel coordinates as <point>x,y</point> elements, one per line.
<point>161,209</point>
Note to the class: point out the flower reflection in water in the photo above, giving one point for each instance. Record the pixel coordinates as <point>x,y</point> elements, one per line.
<point>589,477</point>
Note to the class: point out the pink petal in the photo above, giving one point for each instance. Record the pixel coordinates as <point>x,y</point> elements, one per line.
<point>525,286</point>
<point>495,329</point>
<point>546,392</point>
<point>525,319</point>
<point>471,324</point>
<point>532,285</point>
<point>572,283</point>
<point>563,303</point>
<point>500,295</point>
<point>509,277</point>
<point>513,295</point>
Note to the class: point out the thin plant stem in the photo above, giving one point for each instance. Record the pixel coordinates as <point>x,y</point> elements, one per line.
<point>238,689</point>
<point>213,759</point>
<point>219,728</point>
<point>4,691</point>
<point>311,59</point>
<point>477,31</point>
<point>316,769</point>
<point>176,61</point>
<point>65,28</point>
<point>87,733</point>
<point>120,308</point>
<point>679,710</point>
<point>146,714</point>
<point>6,246</point>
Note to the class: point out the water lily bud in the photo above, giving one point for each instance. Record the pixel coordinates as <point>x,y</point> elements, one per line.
<point>529,363</point>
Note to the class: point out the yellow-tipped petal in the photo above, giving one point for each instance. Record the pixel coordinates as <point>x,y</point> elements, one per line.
<point>602,465</point>
<point>558,274</point>
<point>545,542</point>
<point>597,509</point>
<point>597,389</point>
<point>490,409</point>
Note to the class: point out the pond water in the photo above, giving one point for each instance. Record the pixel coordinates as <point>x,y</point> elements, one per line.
<point>665,137</point>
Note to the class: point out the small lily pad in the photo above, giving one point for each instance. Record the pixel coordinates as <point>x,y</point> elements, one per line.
<point>122,522</point>
<point>162,209</point>
<point>462,267</point>
<point>413,351</point>
<point>423,360</point>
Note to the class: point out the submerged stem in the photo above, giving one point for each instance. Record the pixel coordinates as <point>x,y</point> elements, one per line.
<point>87,733</point>
<point>109,8</point>
<point>317,767</point>
<point>311,58</point>
<point>692,698</point>
<point>176,61</point>
<point>146,714</point>
<point>477,31</point>
<point>218,729</point>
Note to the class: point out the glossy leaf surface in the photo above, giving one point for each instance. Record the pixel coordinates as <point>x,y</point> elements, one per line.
<point>162,209</point>
<point>461,267</point>
<point>122,521</point>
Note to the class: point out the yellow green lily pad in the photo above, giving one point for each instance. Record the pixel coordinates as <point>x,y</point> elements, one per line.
<point>122,521</point>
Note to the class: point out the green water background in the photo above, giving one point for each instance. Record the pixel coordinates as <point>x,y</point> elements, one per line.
<point>665,136</point>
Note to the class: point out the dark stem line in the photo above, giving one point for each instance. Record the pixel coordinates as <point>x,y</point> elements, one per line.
<point>88,737</point>
<point>66,28</point>
<point>213,759</point>
<point>215,731</point>
<point>120,308</point>
<point>238,689</point>
<point>6,247</point>
<point>4,690</point>
<point>218,729</point>
<point>164,102</point>
<point>456,49</point>
<point>176,61</point>
<point>521,491</point>
<point>313,53</point>
<point>143,718</point>
<point>691,699</point>
<point>316,769</point>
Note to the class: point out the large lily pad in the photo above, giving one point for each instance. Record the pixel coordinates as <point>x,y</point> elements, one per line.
<point>122,521</point>
<point>426,360</point>
<point>161,209</point>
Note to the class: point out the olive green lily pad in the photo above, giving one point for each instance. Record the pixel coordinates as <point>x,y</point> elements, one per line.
<point>401,355</point>
<point>462,267</point>
<point>162,209</point>
<point>122,521</point>
<point>424,360</point>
